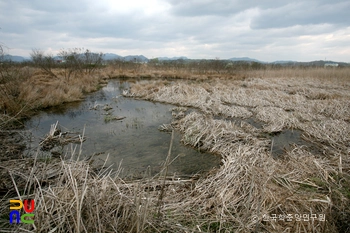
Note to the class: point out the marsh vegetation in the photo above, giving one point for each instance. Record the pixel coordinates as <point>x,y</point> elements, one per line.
<point>237,114</point>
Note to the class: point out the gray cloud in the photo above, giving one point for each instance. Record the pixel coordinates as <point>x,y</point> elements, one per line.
<point>193,8</point>
<point>193,28</point>
<point>304,13</point>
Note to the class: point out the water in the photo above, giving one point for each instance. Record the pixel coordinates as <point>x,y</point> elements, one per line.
<point>135,140</point>
<point>281,141</point>
<point>284,141</point>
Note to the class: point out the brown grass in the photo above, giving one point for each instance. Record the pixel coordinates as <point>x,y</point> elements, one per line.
<point>29,89</point>
<point>249,186</point>
<point>250,183</point>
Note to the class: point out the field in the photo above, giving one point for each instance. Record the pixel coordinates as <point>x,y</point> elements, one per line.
<point>235,114</point>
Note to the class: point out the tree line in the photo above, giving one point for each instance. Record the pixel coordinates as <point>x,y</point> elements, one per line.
<point>76,60</point>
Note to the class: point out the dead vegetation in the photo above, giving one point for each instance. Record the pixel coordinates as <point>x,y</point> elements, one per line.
<point>305,190</point>
<point>58,138</point>
<point>46,83</point>
<point>250,182</point>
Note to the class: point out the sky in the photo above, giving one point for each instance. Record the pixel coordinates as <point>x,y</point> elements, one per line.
<point>267,30</point>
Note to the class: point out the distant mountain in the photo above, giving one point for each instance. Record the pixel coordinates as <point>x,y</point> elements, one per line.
<point>106,56</point>
<point>137,58</point>
<point>111,56</point>
<point>14,58</point>
<point>283,62</point>
<point>141,58</point>
<point>319,63</point>
<point>248,59</point>
<point>172,58</point>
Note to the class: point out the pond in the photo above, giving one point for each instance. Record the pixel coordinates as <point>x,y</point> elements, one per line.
<point>133,140</point>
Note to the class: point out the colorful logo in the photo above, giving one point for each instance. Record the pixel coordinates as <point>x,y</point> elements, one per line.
<point>16,206</point>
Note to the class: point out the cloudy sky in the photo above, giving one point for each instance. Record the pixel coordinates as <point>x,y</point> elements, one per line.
<point>268,30</point>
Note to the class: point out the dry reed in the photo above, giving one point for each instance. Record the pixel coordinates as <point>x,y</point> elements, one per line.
<point>250,192</point>
<point>29,89</point>
<point>251,185</point>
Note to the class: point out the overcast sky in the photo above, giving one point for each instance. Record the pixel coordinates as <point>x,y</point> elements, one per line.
<point>268,30</point>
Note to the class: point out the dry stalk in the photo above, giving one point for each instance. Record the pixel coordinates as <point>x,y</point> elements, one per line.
<point>250,185</point>
<point>166,165</point>
<point>237,197</point>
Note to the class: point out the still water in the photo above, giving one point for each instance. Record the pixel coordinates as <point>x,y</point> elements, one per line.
<point>134,141</point>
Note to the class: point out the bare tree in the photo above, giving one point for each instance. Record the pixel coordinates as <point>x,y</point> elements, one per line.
<point>92,61</point>
<point>1,52</point>
<point>12,76</point>
<point>2,70</point>
<point>44,62</point>
<point>77,60</point>
<point>71,61</point>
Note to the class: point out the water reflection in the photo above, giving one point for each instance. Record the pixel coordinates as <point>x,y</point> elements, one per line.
<point>134,140</point>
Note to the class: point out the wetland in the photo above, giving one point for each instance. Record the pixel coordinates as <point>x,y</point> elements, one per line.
<point>277,138</point>
<point>123,129</point>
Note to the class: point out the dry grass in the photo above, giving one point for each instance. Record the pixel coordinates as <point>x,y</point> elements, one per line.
<point>46,91</point>
<point>70,197</point>
<point>249,186</point>
<point>28,89</point>
<point>250,183</point>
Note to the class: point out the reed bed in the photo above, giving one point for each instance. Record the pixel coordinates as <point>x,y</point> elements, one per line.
<point>42,91</point>
<point>183,94</point>
<point>242,195</point>
<point>24,90</point>
<point>70,197</point>
<point>304,190</point>
<point>252,185</point>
